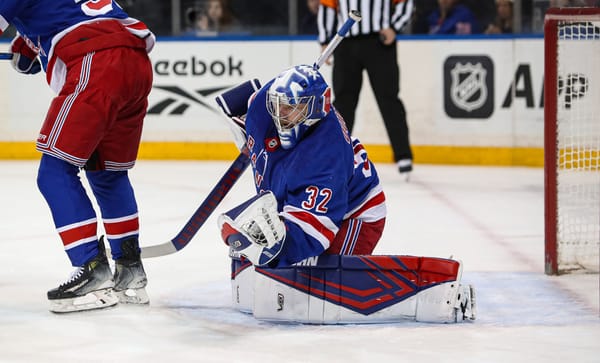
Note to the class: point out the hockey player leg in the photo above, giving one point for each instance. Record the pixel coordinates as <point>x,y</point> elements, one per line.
<point>117,203</point>
<point>89,287</point>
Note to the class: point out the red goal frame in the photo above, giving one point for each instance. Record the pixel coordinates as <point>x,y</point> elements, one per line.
<point>551,20</point>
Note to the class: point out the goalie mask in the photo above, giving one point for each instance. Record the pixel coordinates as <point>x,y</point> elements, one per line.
<point>297,99</point>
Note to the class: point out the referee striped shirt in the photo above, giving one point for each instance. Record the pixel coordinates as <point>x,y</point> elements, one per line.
<point>376,15</point>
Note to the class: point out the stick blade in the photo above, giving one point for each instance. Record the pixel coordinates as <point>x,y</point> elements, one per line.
<point>162,249</point>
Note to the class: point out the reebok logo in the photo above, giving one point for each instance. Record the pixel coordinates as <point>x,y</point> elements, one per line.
<point>197,67</point>
<point>178,100</point>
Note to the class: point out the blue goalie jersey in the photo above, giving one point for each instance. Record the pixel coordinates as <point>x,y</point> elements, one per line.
<point>322,181</point>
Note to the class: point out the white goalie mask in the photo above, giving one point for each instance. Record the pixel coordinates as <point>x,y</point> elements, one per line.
<point>297,99</point>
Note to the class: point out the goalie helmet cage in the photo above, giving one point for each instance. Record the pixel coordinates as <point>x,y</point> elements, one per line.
<point>572,140</point>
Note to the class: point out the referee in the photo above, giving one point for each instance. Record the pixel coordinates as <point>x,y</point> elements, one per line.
<point>370,45</point>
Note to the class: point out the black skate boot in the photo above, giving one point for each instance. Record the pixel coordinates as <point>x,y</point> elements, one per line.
<point>89,287</point>
<point>130,277</point>
<point>405,166</point>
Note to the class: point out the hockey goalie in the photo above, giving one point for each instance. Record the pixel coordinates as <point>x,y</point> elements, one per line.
<point>302,247</point>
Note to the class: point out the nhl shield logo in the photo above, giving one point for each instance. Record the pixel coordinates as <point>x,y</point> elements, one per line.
<point>468,87</point>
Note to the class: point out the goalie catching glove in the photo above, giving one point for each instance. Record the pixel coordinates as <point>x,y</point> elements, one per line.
<point>254,229</point>
<point>25,59</point>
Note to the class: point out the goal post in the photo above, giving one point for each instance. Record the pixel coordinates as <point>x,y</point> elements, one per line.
<point>572,140</point>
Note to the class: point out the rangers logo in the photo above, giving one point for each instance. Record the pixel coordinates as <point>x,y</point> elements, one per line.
<point>469,87</point>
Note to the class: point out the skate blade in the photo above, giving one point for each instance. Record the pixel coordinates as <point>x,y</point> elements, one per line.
<point>133,296</point>
<point>99,299</point>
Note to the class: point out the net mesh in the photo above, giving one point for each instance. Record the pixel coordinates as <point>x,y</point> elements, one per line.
<point>578,142</point>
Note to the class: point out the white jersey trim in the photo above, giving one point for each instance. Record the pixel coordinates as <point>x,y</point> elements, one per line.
<point>120,219</point>
<point>325,223</point>
<point>372,214</point>
<point>81,242</point>
<point>75,225</point>
<point>122,235</point>
<point>3,24</point>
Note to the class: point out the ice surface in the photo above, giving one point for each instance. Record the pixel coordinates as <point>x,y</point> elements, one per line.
<point>490,218</point>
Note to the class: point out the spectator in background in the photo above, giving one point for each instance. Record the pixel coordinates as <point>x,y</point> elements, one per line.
<point>504,18</point>
<point>484,11</point>
<point>263,17</point>
<point>215,17</point>
<point>198,22</point>
<point>423,8</point>
<point>452,17</point>
<point>308,23</point>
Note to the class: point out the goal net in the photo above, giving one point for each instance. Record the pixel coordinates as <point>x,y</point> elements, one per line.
<point>572,140</point>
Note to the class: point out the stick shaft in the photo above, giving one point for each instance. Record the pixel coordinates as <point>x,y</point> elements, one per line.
<point>6,56</point>
<point>204,211</point>
<point>353,17</point>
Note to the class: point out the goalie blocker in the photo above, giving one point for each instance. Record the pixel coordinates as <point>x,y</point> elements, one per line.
<point>336,289</point>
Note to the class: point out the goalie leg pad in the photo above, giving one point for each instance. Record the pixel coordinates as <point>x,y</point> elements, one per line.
<point>334,289</point>
<point>242,283</point>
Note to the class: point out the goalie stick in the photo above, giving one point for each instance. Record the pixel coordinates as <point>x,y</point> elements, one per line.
<point>204,211</point>
<point>353,17</point>
<point>6,56</point>
<point>232,174</point>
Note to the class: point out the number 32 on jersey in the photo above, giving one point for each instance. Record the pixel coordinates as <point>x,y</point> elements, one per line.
<point>317,199</point>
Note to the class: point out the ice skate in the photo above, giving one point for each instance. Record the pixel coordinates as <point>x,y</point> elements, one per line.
<point>465,307</point>
<point>405,167</point>
<point>89,287</point>
<point>130,277</point>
